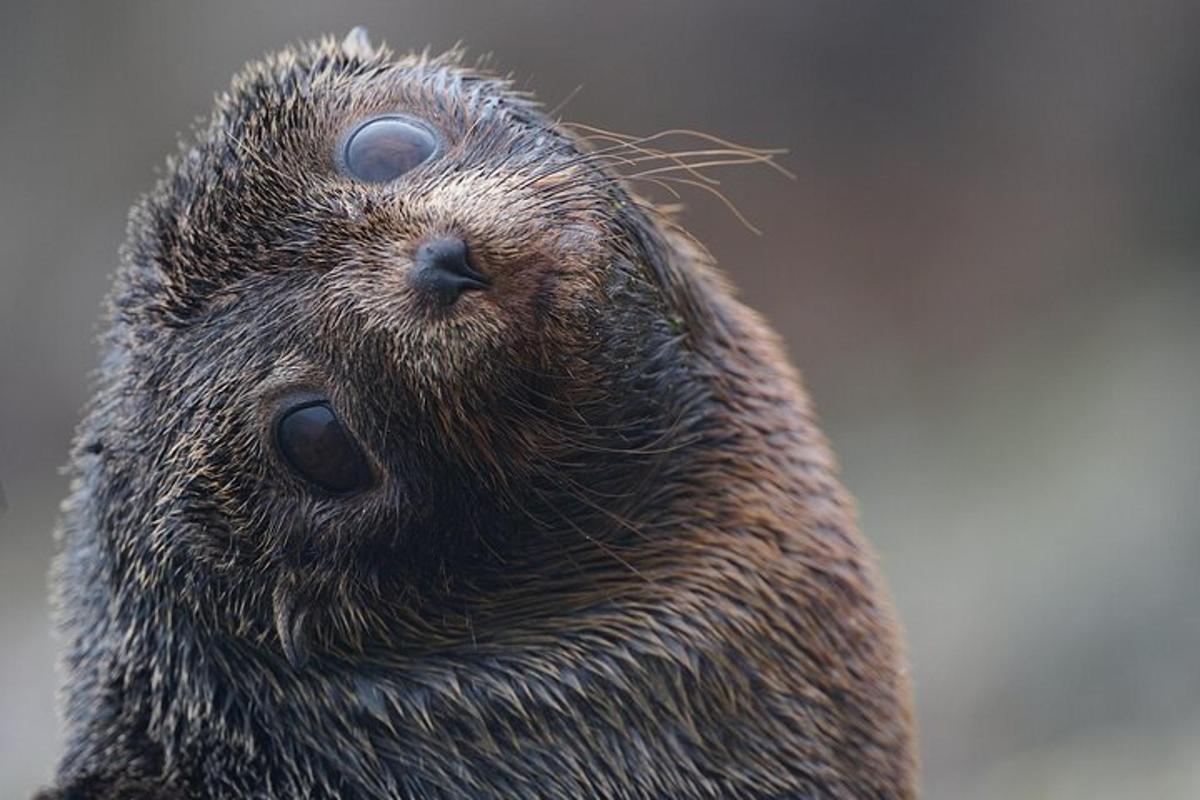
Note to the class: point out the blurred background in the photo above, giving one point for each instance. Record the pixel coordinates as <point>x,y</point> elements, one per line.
<point>987,269</point>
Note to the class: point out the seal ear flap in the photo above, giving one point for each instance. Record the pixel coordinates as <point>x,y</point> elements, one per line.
<point>291,617</point>
<point>690,284</point>
<point>358,43</point>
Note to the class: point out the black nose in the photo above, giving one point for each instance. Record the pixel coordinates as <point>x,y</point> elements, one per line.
<point>442,269</point>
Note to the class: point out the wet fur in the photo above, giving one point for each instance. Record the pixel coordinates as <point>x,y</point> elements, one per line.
<point>607,556</point>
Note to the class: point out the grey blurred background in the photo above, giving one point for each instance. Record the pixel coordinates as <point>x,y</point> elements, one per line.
<point>987,269</point>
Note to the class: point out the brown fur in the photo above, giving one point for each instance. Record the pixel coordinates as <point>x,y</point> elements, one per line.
<point>608,555</point>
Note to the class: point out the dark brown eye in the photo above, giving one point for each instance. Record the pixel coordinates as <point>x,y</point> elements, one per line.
<point>314,444</point>
<point>384,148</point>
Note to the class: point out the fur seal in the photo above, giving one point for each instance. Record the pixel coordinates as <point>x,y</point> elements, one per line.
<point>427,460</point>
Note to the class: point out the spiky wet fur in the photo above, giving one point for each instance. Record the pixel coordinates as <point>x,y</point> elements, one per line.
<point>607,554</point>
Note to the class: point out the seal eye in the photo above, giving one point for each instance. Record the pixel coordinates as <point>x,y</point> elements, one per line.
<point>384,148</point>
<point>318,448</point>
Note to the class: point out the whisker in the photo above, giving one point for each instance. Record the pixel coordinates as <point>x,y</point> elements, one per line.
<point>554,112</point>
<point>602,547</point>
<point>694,167</point>
<point>724,200</point>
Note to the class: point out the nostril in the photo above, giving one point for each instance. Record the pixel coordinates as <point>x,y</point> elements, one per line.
<point>442,268</point>
<point>446,252</point>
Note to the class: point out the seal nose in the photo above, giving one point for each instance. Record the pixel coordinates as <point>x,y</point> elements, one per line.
<point>442,269</point>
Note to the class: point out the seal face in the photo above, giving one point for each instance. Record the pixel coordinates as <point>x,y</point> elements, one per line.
<point>430,461</point>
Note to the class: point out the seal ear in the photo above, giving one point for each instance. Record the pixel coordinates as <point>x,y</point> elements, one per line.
<point>358,43</point>
<point>291,618</point>
<point>690,283</point>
